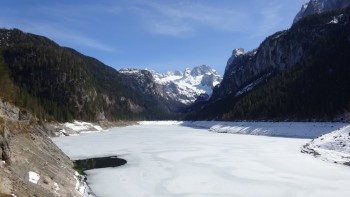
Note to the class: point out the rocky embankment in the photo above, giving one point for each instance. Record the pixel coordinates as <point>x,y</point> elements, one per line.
<point>30,163</point>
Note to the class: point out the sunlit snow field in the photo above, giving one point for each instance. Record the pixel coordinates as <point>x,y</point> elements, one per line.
<point>171,160</point>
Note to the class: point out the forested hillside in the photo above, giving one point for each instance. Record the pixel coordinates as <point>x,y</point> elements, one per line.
<point>59,83</point>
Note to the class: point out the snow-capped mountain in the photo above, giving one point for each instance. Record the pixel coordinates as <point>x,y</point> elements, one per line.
<point>176,86</point>
<point>189,85</point>
<point>319,6</point>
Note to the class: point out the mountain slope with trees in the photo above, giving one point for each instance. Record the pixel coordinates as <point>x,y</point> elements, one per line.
<point>59,83</point>
<point>299,74</point>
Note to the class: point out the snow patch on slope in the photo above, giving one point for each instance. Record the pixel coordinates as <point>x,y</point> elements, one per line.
<point>33,177</point>
<point>76,127</point>
<point>81,186</point>
<point>80,126</point>
<point>334,146</point>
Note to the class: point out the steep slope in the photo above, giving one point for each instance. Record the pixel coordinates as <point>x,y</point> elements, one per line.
<point>298,74</point>
<point>30,164</point>
<point>143,81</point>
<point>319,6</point>
<point>59,83</point>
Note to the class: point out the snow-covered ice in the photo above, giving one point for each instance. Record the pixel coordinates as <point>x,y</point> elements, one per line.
<point>281,129</point>
<point>173,160</point>
<point>33,177</point>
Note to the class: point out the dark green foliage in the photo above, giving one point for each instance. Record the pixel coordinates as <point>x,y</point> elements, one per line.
<point>79,168</point>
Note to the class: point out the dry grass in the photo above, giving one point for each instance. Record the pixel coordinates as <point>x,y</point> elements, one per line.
<point>18,127</point>
<point>15,127</point>
<point>2,124</point>
<point>4,195</point>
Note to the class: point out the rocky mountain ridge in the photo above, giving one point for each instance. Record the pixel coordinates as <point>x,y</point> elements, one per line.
<point>186,87</point>
<point>281,77</point>
<point>179,88</point>
<point>319,6</point>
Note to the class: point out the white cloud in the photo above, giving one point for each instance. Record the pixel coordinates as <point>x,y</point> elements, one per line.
<point>68,36</point>
<point>183,19</point>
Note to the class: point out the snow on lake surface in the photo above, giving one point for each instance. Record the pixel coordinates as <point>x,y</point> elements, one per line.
<point>172,160</point>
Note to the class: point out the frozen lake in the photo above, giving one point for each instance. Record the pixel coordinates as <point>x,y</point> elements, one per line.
<point>171,160</point>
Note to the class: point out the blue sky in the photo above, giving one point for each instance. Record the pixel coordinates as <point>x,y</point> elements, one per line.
<point>155,34</point>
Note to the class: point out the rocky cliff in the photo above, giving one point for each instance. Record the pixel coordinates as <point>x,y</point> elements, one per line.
<point>30,164</point>
<point>319,6</point>
<point>282,77</point>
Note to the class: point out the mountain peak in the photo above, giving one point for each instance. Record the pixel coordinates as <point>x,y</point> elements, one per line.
<point>187,87</point>
<point>235,53</point>
<point>319,6</point>
<point>202,70</point>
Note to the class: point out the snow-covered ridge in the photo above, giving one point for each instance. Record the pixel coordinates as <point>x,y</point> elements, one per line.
<point>187,86</point>
<point>319,6</point>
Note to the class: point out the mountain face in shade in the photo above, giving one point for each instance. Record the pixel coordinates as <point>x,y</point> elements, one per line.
<point>320,6</point>
<point>299,74</point>
<point>59,83</point>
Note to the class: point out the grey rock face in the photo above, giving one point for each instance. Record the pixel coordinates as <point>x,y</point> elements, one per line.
<point>9,111</point>
<point>319,6</point>
<point>235,53</point>
<point>201,70</point>
<point>277,53</point>
<point>4,146</point>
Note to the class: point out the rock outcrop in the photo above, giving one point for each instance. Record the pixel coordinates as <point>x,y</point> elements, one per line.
<point>282,77</point>
<point>9,111</point>
<point>25,148</point>
<point>319,6</point>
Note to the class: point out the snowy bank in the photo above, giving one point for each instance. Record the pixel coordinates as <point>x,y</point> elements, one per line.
<point>280,129</point>
<point>166,122</point>
<point>77,127</point>
<point>82,126</point>
<point>82,187</point>
<point>334,146</point>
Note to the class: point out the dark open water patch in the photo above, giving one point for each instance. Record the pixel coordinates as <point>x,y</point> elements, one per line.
<point>100,162</point>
